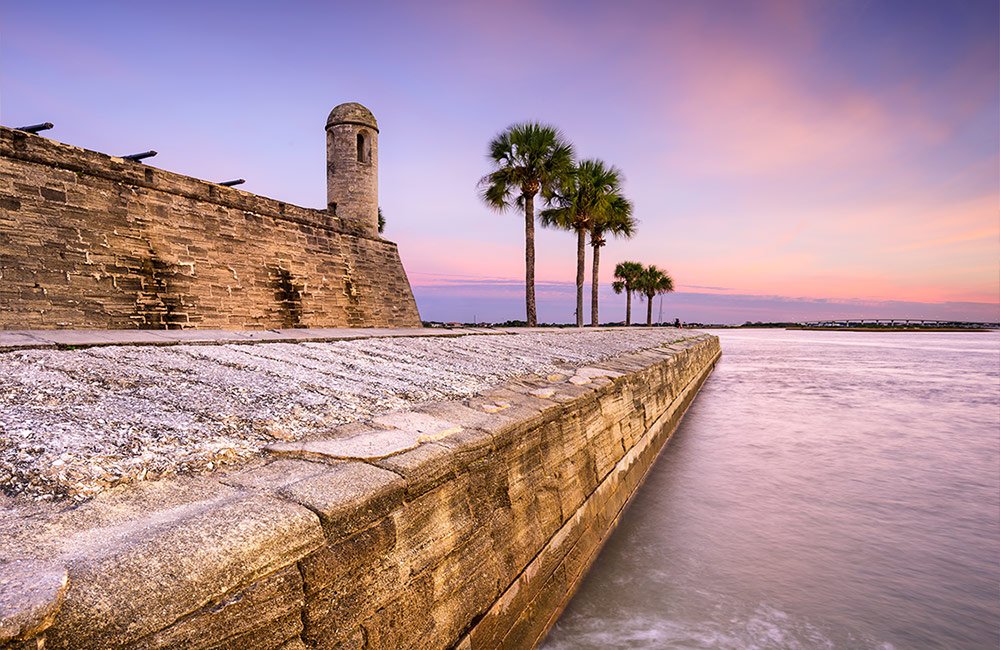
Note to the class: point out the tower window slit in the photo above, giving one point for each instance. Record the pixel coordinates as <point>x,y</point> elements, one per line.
<point>362,154</point>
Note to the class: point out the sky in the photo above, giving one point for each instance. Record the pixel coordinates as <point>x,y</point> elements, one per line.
<point>787,160</point>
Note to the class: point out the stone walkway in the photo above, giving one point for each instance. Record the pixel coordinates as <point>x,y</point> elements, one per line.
<point>74,422</point>
<point>69,339</point>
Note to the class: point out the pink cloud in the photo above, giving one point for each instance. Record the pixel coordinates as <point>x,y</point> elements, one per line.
<point>745,112</point>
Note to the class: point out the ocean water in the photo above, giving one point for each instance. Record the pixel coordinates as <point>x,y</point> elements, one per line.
<point>825,490</point>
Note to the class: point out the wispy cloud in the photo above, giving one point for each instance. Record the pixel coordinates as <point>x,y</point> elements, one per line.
<point>503,300</point>
<point>698,286</point>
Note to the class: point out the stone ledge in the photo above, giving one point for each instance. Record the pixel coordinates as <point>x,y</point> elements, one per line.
<point>183,567</point>
<point>84,421</point>
<point>481,510</point>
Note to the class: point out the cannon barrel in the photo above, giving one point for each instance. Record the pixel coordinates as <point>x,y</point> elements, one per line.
<point>136,157</point>
<point>238,181</point>
<point>35,128</point>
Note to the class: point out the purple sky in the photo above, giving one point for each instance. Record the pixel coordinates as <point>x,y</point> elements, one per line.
<point>787,160</point>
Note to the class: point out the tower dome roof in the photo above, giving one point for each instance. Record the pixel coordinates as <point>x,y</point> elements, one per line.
<point>351,113</point>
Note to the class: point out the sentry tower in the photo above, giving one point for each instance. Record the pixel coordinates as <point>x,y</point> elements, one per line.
<point>352,167</point>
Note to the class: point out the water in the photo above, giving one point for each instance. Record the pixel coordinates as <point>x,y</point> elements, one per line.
<point>825,490</point>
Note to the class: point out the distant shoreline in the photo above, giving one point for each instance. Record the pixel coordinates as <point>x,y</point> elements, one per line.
<point>892,329</point>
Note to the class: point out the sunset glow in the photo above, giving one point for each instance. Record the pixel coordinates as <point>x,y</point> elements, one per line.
<point>787,160</point>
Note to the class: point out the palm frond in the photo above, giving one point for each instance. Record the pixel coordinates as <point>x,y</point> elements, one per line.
<point>561,218</point>
<point>628,272</point>
<point>591,195</point>
<point>528,158</point>
<point>653,281</point>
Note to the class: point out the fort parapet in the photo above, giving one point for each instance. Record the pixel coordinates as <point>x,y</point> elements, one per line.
<point>89,240</point>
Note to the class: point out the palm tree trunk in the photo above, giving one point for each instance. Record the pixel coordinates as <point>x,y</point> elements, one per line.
<point>628,307</point>
<point>581,263</point>
<point>529,260</point>
<point>593,287</point>
<point>649,310</point>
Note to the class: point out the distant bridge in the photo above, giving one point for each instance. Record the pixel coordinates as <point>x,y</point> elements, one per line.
<point>900,322</point>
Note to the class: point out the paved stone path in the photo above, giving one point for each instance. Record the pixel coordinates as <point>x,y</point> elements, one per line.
<point>74,422</point>
<point>68,339</point>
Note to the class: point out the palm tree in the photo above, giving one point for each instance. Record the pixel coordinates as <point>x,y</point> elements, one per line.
<point>591,194</point>
<point>627,280</point>
<point>619,223</point>
<point>653,281</point>
<point>529,158</point>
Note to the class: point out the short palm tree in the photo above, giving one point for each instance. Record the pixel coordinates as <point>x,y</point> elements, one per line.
<point>591,194</point>
<point>618,222</point>
<point>653,281</point>
<point>627,280</point>
<point>529,159</point>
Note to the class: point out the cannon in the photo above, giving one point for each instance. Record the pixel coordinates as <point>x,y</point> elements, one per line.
<point>35,128</point>
<point>136,157</point>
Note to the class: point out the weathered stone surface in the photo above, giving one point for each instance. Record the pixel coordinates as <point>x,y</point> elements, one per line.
<point>294,644</point>
<point>406,621</point>
<point>465,583</point>
<point>460,413</point>
<point>514,412</point>
<point>93,241</point>
<point>424,467</point>
<point>348,496</point>
<point>275,474</point>
<point>184,565</point>
<point>408,431</point>
<point>594,373</point>
<point>427,427</point>
<point>351,113</point>
<point>31,593</point>
<point>432,526</point>
<point>368,445</point>
<point>474,539</point>
<point>347,579</point>
<point>262,616</point>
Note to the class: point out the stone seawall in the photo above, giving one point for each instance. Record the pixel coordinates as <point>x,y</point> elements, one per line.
<point>93,241</point>
<point>459,524</point>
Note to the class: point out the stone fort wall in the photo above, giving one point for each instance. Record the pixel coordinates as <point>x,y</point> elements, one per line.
<point>88,240</point>
<point>468,525</point>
